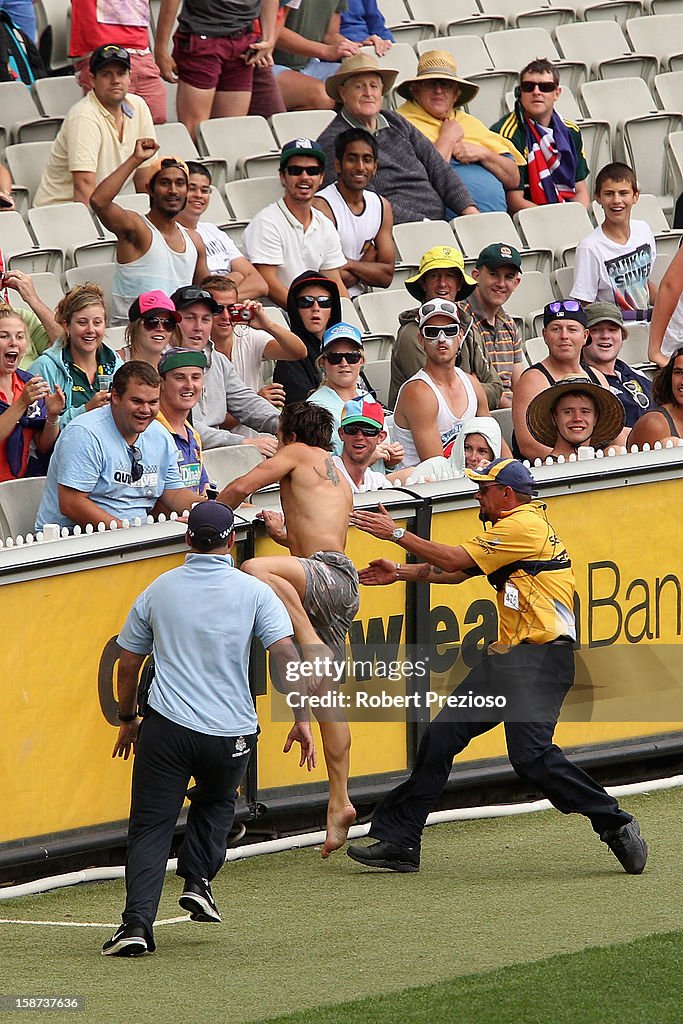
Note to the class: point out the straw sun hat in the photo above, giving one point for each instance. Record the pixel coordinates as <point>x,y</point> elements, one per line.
<point>610,419</point>
<point>441,65</point>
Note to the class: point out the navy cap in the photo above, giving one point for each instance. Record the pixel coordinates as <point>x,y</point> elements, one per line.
<point>507,473</point>
<point>565,309</point>
<point>209,522</point>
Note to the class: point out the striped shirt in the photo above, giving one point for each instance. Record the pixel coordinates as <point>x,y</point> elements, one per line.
<point>500,339</point>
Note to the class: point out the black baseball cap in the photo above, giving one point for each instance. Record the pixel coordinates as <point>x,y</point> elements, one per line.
<point>109,53</point>
<point>189,294</point>
<point>208,523</point>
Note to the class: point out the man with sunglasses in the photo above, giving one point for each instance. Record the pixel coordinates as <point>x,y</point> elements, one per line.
<point>291,236</point>
<point>556,169</point>
<point>433,405</point>
<point>521,680</point>
<point>116,462</point>
<point>606,336</point>
<point>154,252</point>
<point>361,431</point>
<point>98,134</point>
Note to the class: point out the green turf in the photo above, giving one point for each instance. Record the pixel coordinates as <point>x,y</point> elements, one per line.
<point>638,982</point>
<point>300,933</point>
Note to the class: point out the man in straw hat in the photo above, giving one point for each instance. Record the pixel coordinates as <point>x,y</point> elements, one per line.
<point>415,179</point>
<point>555,168</point>
<point>486,162</point>
<point>572,413</point>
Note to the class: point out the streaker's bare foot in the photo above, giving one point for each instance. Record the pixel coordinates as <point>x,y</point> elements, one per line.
<point>338,825</point>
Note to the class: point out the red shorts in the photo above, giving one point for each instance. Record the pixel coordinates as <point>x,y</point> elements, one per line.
<point>206,62</point>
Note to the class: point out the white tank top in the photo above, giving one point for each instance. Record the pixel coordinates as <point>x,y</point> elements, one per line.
<point>449,425</point>
<point>160,268</point>
<point>673,335</point>
<point>356,230</point>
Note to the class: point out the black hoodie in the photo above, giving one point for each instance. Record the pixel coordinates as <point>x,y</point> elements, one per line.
<point>302,376</point>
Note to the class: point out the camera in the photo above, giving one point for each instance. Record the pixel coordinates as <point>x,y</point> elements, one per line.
<point>240,314</point>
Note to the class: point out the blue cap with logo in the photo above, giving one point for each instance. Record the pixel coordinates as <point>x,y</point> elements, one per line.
<point>209,522</point>
<point>507,473</point>
<point>341,332</point>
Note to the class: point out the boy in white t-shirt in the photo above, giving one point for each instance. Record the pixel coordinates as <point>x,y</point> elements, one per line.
<point>614,262</point>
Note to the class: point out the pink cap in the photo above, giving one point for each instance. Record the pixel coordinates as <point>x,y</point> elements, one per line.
<point>153,303</point>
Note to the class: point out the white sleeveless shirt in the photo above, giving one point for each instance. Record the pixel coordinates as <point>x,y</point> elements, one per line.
<point>449,425</point>
<point>160,268</point>
<point>356,230</point>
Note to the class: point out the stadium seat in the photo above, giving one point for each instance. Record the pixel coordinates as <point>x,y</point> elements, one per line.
<point>634,350</point>
<point>49,289</point>
<point>100,273</point>
<point>19,503</point>
<point>457,17</point>
<point>414,238</point>
<point>136,201</point>
<point>56,96</point>
<point>540,15</point>
<point>247,145</point>
<point>378,375</point>
<point>536,350</point>
<point>531,295</point>
<point>504,419</point>
<point>662,264</point>
<point>380,311</point>
<point>404,28</point>
<point>114,337</point>
<point>649,210</point>
<point>173,137</point>
<point>216,212</point>
<point>297,124</point>
<point>610,10</point>
<point>349,315</point>
<point>526,44</point>
<point>674,151</point>
<point>22,117</point>
<point>661,35</point>
<point>561,225</point>
<point>20,251</point>
<point>562,280</point>
<point>226,464</point>
<point>401,57</point>
<point>247,196</point>
<point>71,226</point>
<point>640,129</point>
<point>669,90</point>
<point>604,47</point>
<point>53,18</point>
<point>666,7</point>
<point>476,232</point>
<point>26,161</point>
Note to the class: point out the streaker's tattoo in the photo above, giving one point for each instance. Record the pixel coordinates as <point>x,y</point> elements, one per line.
<point>330,472</point>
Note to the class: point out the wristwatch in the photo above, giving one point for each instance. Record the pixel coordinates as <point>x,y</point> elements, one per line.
<point>127,718</point>
<point>397,534</point>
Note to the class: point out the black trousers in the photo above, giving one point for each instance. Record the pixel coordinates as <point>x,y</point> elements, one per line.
<point>534,679</point>
<point>166,758</point>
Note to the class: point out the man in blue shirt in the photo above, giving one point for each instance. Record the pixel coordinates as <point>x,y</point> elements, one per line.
<point>114,463</point>
<point>199,720</point>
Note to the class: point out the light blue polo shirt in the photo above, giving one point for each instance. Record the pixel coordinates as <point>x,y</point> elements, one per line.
<point>198,620</point>
<point>92,456</point>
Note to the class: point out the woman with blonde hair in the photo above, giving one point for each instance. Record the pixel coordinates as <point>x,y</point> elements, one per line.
<point>79,362</point>
<point>29,409</point>
<point>152,328</point>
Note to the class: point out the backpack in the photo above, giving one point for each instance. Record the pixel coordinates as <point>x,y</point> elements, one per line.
<point>19,57</point>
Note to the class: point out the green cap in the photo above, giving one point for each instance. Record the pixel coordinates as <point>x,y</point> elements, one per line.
<point>174,358</point>
<point>499,255</point>
<point>596,312</point>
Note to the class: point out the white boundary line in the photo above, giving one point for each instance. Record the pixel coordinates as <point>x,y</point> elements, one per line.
<point>87,924</point>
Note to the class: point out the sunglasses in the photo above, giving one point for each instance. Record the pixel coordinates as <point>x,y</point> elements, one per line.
<point>296,170</point>
<point>307,301</point>
<point>137,470</point>
<point>152,323</point>
<point>434,333</point>
<point>335,358</point>
<point>541,86</point>
<point>357,428</point>
<point>566,306</point>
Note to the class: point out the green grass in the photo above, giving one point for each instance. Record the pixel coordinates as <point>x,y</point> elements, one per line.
<point>639,983</point>
<point>494,897</point>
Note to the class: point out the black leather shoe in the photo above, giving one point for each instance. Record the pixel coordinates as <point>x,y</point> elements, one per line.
<point>386,855</point>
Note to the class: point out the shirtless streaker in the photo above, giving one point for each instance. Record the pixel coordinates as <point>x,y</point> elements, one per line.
<point>317,582</point>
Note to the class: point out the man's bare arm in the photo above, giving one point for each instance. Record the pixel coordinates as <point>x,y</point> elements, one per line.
<point>269,472</point>
<point>78,506</point>
<point>84,186</point>
<point>124,223</point>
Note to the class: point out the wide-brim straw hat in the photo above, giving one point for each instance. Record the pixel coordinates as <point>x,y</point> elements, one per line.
<point>610,421</point>
<point>439,64</point>
<point>360,64</point>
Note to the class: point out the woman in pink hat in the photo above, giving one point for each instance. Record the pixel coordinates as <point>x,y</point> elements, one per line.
<point>152,328</point>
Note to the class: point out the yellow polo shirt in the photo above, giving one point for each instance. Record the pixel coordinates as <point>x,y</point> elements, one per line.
<point>88,141</point>
<point>527,564</point>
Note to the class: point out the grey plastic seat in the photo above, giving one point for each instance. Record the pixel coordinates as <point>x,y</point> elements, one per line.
<point>19,503</point>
